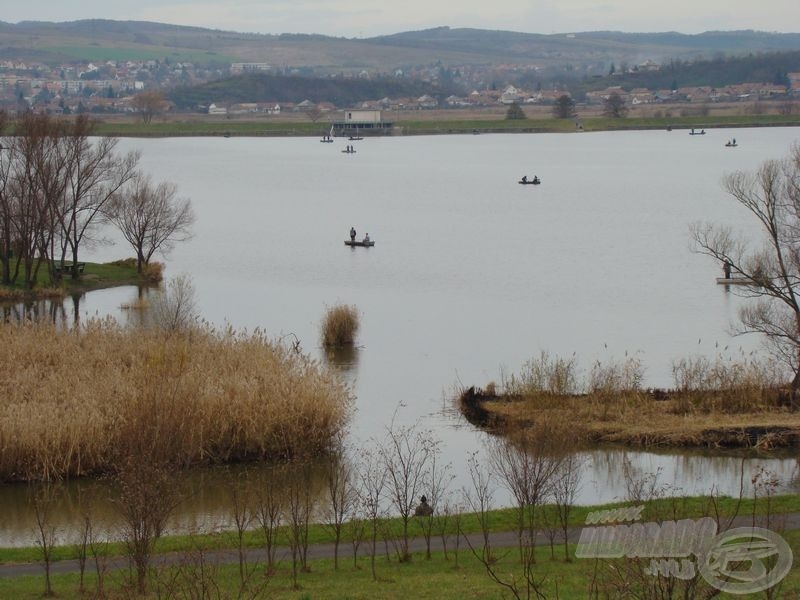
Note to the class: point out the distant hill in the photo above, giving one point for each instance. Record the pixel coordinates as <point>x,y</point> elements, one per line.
<point>130,40</point>
<point>295,89</point>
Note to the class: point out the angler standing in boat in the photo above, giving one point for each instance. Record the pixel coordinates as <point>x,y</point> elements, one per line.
<point>352,234</point>
<point>726,269</point>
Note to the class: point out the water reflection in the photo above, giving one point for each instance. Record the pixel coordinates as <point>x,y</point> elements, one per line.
<point>206,501</point>
<point>131,310</point>
<point>345,359</point>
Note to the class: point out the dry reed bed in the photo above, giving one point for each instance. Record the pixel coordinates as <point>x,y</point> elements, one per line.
<point>720,402</point>
<point>638,419</point>
<point>78,403</point>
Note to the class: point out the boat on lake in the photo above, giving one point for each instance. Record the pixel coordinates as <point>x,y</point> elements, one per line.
<point>731,144</point>
<point>701,132</point>
<point>362,243</point>
<point>526,181</point>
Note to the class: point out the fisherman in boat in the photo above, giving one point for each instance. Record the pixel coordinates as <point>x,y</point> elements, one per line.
<point>536,179</point>
<point>726,269</point>
<point>352,234</point>
<point>366,239</point>
<point>524,179</point>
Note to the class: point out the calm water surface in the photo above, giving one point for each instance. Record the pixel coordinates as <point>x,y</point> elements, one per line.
<point>471,274</point>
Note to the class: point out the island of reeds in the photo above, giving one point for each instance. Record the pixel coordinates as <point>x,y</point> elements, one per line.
<point>714,404</point>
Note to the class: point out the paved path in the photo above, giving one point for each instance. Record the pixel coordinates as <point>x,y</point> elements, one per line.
<point>506,539</point>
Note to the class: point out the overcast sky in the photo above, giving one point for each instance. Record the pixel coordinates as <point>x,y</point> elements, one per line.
<point>365,18</point>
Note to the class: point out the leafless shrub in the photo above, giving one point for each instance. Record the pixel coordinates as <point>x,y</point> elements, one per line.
<point>341,496</point>
<point>174,308</point>
<point>372,480</point>
<point>299,506</point>
<point>269,514</point>
<point>44,498</point>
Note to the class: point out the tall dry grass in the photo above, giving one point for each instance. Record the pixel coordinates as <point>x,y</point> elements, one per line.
<point>339,326</point>
<point>74,402</point>
<point>711,401</point>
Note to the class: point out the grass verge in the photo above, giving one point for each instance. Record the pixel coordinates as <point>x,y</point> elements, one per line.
<point>442,577</point>
<point>500,520</point>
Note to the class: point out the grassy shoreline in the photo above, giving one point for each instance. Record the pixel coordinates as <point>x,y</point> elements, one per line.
<point>501,520</point>
<point>95,276</point>
<point>207,127</point>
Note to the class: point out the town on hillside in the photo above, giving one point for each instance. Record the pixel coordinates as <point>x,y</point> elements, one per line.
<point>110,87</point>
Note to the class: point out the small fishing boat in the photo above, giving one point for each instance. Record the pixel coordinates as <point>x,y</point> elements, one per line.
<point>732,144</point>
<point>349,150</point>
<point>361,243</point>
<point>701,132</point>
<point>534,181</point>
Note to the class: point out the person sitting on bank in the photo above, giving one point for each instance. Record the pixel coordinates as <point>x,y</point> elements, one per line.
<point>423,509</point>
<point>366,239</point>
<point>352,234</point>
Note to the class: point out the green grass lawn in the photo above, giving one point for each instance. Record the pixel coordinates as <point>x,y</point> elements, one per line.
<point>94,276</point>
<point>454,577</point>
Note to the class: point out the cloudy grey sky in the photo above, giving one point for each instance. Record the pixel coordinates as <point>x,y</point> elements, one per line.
<point>365,18</point>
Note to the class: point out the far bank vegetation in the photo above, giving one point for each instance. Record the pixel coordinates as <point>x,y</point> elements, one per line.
<point>720,402</point>
<point>74,399</point>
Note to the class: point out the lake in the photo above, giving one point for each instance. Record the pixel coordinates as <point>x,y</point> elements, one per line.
<point>471,274</point>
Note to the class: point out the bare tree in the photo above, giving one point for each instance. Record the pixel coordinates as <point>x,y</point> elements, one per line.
<point>372,477</point>
<point>299,515</point>
<point>95,176</point>
<point>436,485</point>
<point>406,455</point>
<point>770,274</point>
<point>43,500</point>
<point>526,467</point>
<point>566,484</point>
<point>564,107</point>
<point>152,218</point>
<point>314,113</point>
<point>614,106</point>
<point>149,104</point>
<point>269,514</point>
<point>341,495</point>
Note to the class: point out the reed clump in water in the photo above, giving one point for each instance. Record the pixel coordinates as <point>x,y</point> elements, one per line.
<point>340,326</point>
<point>73,400</point>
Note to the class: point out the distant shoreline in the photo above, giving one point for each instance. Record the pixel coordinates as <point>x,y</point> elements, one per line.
<point>198,126</point>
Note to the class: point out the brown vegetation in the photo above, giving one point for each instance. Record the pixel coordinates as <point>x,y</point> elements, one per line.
<point>713,405</point>
<point>340,326</point>
<point>73,399</point>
